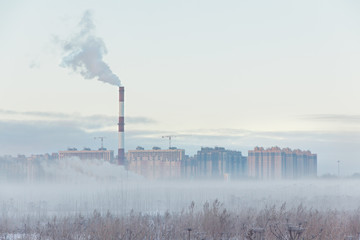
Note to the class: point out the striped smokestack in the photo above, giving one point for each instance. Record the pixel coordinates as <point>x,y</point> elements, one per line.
<point>121,151</point>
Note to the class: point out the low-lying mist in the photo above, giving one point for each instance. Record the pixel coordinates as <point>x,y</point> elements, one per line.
<point>80,187</point>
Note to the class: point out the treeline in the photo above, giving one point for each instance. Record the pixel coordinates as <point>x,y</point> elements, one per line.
<point>211,221</point>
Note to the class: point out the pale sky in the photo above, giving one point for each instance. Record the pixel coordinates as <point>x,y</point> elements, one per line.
<point>236,74</point>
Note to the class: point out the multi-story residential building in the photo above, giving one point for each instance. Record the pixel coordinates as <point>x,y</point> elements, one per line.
<point>88,154</point>
<point>156,163</point>
<point>220,163</point>
<point>277,163</point>
<point>22,168</point>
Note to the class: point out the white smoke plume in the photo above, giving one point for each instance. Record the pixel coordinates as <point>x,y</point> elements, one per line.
<point>84,53</point>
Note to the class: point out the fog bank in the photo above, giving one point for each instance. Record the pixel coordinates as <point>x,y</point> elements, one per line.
<point>120,196</point>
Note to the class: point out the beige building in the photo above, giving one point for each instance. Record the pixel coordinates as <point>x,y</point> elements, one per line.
<point>88,154</point>
<point>277,163</point>
<point>156,163</point>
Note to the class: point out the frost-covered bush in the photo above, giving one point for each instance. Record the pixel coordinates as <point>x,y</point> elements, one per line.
<point>212,221</point>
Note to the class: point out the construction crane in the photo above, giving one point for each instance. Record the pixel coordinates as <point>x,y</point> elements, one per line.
<point>169,137</point>
<point>102,142</point>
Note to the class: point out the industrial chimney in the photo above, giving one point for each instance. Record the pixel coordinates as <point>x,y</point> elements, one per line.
<point>121,150</point>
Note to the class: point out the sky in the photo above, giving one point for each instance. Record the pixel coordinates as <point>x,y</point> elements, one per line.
<point>236,74</point>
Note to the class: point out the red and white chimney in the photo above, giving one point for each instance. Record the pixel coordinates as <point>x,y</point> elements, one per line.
<point>121,150</point>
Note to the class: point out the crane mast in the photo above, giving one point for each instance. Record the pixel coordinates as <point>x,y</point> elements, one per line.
<point>102,142</point>
<point>169,137</point>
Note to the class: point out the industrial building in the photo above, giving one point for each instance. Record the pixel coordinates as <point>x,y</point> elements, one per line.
<point>277,163</point>
<point>156,163</point>
<point>219,163</point>
<point>88,154</point>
